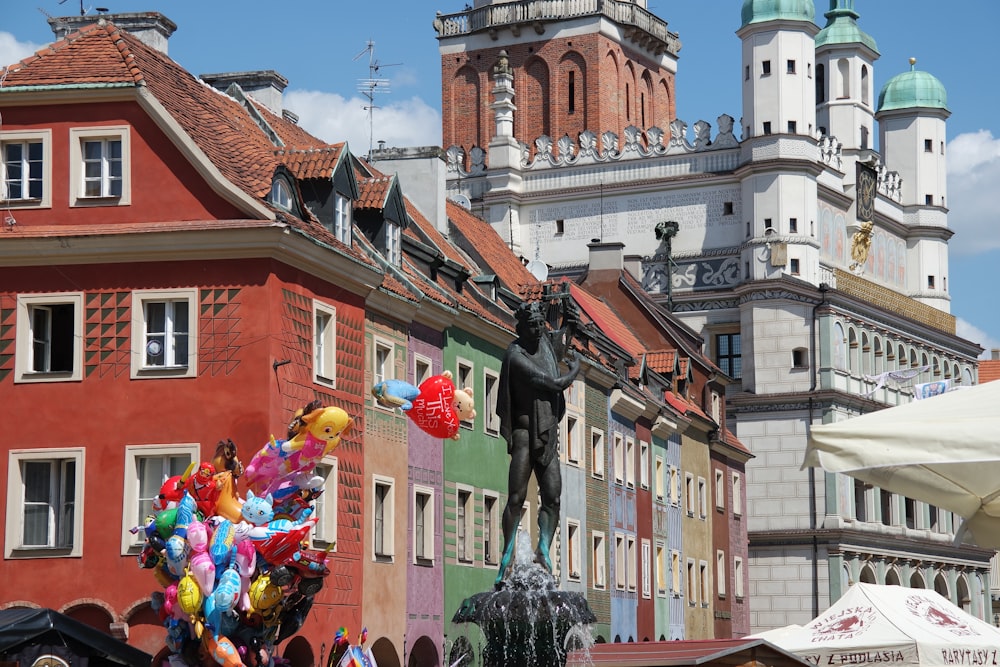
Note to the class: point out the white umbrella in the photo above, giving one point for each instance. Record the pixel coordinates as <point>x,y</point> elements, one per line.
<point>905,627</point>
<point>943,450</point>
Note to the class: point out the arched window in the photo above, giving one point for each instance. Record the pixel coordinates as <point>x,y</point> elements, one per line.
<point>865,83</point>
<point>964,598</point>
<point>892,577</point>
<point>879,365</point>
<point>839,347</point>
<point>941,586</point>
<point>853,351</point>
<point>917,580</point>
<point>868,574</point>
<point>866,354</point>
<point>281,194</point>
<point>843,78</point>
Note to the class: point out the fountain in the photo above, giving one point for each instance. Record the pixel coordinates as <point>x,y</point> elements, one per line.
<point>526,621</point>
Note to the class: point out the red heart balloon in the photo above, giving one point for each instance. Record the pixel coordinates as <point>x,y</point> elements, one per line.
<point>433,409</point>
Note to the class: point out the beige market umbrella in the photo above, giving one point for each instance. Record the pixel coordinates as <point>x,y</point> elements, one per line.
<point>943,450</point>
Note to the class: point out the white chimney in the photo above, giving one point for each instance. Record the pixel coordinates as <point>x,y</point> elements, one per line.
<point>151,28</point>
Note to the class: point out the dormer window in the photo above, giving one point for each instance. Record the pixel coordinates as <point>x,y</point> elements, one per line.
<point>281,194</point>
<point>393,251</point>
<point>342,219</point>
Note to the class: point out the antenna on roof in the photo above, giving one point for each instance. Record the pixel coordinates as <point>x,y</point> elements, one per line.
<point>373,84</point>
<point>83,12</point>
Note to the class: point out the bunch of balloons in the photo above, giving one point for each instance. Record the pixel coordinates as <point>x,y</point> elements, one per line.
<point>436,406</point>
<point>236,576</point>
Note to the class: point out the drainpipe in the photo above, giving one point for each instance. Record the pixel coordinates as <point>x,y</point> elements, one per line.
<point>813,522</point>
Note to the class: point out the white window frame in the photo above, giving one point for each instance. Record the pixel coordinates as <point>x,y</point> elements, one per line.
<point>738,577</point>
<point>633,558</point>
<point>690,494</point>
<point>661,569</point>
<point>131,542</point>
<point>139,369</point>
<point>692,582</point>
<point>427,543</point>
<point>324,535</point>
<point>343,218</point>
<point>491,391</point>
<point>630,462</point>
<point>705,579</point>
<point>702,497</point>
<point>621,571</point>
<point>598,552</point>
<point>324,344</point>
<point>387,554</point>
<point>18,137</point>
<point>720,490</point>
<point>77,191</point>
<point>597,454</point>
<point>422,369</point>
<point>24,343</point>
<point>618,458</point>
<point>647,588</point>
<point>659,478</point>
<point>643,464</point>
<point>675,486</point>
<point>720,572</point>
<point>465,377</point>
<point>14,530</point>
<point>385,370</point>
<point>393,243</point>
<point>574,571</point>
<point>465,549</point>
<point>491,528</point>
<point>675,573</point>
<point>573,427</point>
<point>737,494</point>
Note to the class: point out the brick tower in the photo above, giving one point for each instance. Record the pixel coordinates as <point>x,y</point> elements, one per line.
<point>579,65</point>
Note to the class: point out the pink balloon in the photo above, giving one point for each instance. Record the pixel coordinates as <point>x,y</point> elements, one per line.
<point>203,568</point>
<point>197,536</point>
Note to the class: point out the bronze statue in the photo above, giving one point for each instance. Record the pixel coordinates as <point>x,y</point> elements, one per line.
<point>530,406</point>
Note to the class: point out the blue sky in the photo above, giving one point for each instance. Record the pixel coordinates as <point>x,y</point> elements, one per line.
<point>320,47</point>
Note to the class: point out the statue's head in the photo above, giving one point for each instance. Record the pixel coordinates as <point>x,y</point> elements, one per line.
<point>530,316</point>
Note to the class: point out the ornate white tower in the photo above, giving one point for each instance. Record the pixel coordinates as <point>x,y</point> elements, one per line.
<point>912,114</point>
<point>845,98</point>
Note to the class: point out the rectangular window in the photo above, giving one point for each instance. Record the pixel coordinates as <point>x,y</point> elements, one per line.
<point>930,282</point>
<point>491,385</point>
<point>746,73</point>
<point>421,369</point>
<point>647,586</point>
<point>573,549</point>
<point>491,527</point>
<point>929,200</point>
<point>573,446</point>
<point>632,560</point>
<point>661,570</point>
<point>620,570</point>
<point>790,67</point>
<point>793,266</point>
<point>928,146</point>
<point>861,490</point>
<point>767,127</point>
<point>737,494</point>
<point>147,468</point>
<point>462,380</point>
<point>100,166</point>
<point>702,497</point>
<point>26,168</point>
<point>598,556</point>
<point>706,583</point>
<point>571,90</point>
<point>690,493</point>
<point>644,464</point>
<point>738,577</point>
<point>383,513</point>
<point>720,572</point>
<point>792,127</point>
<point>423,525</point>
<point>793,225</point>
<point>728,354</point>
<point>49,338</point>
<point>630,463</point>
<point>675,486</point>
<point>343,219</point>
<point>597,453</point>
<point>618,458</point>
<point>675,572</point>
<point>659,478</point>
<point>463,526</point>
<point>324,344</point>
<point>44,494</point>
<point>720,490</point>
<point>393,247</point>
<point>324,533</point>
<point>727,208</point>
<point>765,67</point>
<point>164,329</point>
<point>382,362</point>
<point>692,582</point>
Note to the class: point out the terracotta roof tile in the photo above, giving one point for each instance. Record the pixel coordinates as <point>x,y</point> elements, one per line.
<point>492,249</point>
<point>290,133</point>
<point>607,321</point>
<point>661,361</point>
<point>372,192</point>
<point>313,162</point>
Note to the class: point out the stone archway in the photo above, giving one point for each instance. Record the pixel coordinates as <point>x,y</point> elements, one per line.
<point>299,653</point>
<point>385,653</point>
<point>424,653</point>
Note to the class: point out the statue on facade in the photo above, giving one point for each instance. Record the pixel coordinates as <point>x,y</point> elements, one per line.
<point>861,243</point>
<point>530,406</point>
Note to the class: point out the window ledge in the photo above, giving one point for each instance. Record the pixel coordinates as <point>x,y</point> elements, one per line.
<point>42,552</point>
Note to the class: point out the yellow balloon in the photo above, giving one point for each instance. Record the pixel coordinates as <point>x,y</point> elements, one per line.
<point>189,594</point>
<point>264,594</point>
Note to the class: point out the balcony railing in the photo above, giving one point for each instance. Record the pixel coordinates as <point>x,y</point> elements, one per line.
<point>524,12</point>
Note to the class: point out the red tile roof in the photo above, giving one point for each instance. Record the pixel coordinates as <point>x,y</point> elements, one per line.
<point>608,321</point>
<point>372,192</point>
<point>311,162</point>
<point>493,251</point>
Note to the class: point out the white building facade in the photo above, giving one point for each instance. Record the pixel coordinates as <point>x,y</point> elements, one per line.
<point>814,265</point>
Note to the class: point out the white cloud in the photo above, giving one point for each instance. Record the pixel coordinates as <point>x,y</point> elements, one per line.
<point>333,118</point>
<point>12,50</point>
<point>973,174</point>
<point>969,331</point>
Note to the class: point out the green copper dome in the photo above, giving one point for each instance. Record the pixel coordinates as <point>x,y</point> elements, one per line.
<point>758,11</point>
<point>842,28</point>
<point>912,89</point>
